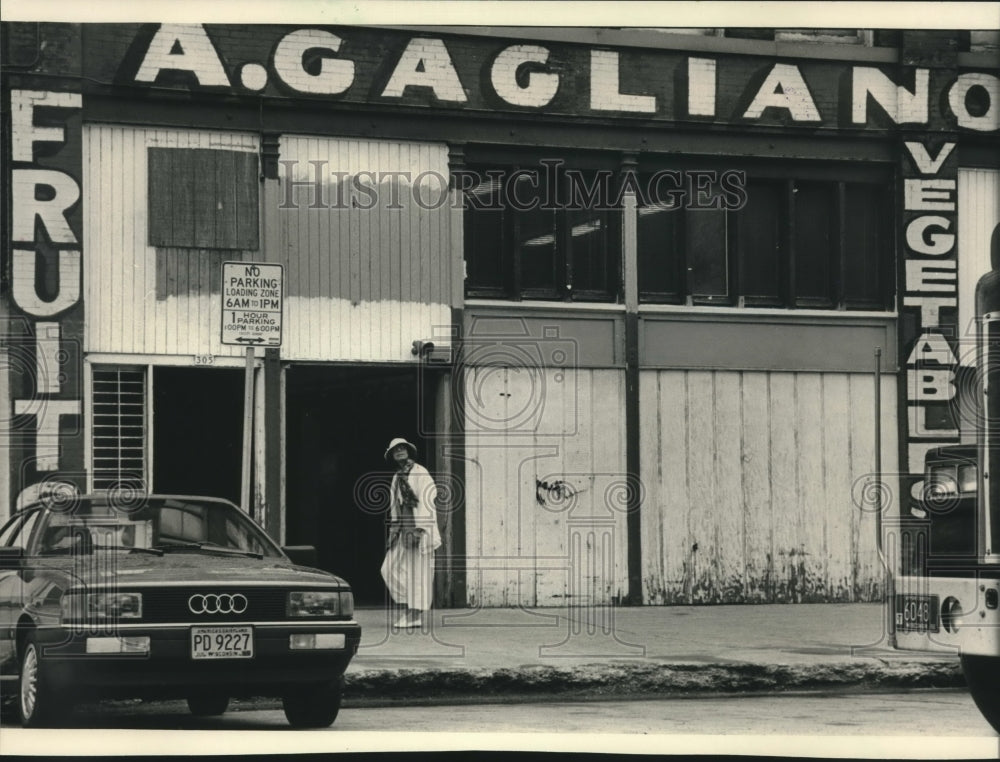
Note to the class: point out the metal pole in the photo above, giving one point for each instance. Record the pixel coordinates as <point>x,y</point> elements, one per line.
<point>878,446</point>
<point>878,465</point>
<point>247,433</point>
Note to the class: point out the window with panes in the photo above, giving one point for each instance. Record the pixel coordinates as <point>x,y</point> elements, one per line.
<point>544,231</point>
<point>814,241</point>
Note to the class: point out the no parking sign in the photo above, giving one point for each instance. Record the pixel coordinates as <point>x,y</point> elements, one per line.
<point>252,303</point>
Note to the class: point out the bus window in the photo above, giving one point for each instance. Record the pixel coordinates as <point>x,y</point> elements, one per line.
<point>942,482</point>
<point>967,478</point>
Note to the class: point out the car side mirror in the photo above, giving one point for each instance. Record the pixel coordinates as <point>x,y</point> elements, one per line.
<point>301,555</point>
<point>11,557</point>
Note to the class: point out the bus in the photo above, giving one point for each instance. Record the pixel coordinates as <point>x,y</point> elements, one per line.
<point>946,595</point>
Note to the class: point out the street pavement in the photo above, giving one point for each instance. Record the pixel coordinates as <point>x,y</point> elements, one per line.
<point>469,654</point>
<point>517,655</point>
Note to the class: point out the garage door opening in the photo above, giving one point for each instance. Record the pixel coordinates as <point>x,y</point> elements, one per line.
<point>339,421</point>
<point>198,431</point>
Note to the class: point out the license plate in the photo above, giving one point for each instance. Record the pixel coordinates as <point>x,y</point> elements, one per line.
<point>221,642</point>
<point>917,613</point>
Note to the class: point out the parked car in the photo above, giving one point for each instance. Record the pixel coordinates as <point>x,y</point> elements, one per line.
<point>166,597</point>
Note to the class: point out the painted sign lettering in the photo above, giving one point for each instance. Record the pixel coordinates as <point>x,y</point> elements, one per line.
<point>385,67</point>
<point>45,261</point>
<point>930,292</point>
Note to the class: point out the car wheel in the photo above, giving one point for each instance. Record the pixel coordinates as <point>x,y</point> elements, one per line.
<point>208,704</point>
<point>314,706</point>
<point>38,703</point>
<point>982,675</point>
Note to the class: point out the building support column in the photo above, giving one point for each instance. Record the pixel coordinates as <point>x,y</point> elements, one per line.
<point>454,450</point>
<point>274,493</point>
<point>633,466</point>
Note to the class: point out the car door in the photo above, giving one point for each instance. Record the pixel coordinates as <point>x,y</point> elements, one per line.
<point>16,533</point>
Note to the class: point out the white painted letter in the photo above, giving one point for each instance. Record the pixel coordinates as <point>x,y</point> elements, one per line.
<point>935,245</point>
<point>931,347</point>
<point>919,430</point>
<point>956,99</point>
<point>605,94</point>
<point>923,160</point>
<point>931,385</point>
<point>334,76</point>
<point>931,276</point>
<point>930,308</point>
<point>426,63</point>
<point>540,88</point>
<point>784,88</point>
<point>23,286</point>
<point>47,413</point>
<point>26,206</point>
<point>902,106</point>
<point>701,87</point>
<point>928,195</point>
<point>196,55</point>
<point>47,358</point>
<point>22,117</point>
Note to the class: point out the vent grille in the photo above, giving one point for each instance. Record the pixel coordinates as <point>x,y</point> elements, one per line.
<point>119,429</point>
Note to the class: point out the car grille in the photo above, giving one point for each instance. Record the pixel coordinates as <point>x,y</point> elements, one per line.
<point>170,605</point>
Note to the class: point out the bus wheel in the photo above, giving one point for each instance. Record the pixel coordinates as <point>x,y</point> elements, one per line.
<point>982,675</point>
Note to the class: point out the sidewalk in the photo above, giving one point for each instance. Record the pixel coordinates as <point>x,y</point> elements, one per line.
<point>487,653</point>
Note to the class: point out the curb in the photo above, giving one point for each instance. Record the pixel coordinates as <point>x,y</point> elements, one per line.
<point>644,679</point>
<point>371,688</point>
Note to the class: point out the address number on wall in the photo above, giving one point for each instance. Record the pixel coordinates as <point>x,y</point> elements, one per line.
<point>204,359</point>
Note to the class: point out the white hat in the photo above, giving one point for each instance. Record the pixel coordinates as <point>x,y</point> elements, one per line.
<point>396,443</point>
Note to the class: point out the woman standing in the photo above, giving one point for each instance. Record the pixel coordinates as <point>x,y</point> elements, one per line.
<point>408,568</point>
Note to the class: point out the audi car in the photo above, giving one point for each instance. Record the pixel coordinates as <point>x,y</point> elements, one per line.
<point>160,596</point>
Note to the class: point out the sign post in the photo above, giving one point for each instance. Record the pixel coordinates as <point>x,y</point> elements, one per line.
<point>251,316</point>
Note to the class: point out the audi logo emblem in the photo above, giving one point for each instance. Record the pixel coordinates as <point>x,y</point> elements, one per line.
<point>217,604</point>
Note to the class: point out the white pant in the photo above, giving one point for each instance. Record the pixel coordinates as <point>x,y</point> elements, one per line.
<point>409,575</point>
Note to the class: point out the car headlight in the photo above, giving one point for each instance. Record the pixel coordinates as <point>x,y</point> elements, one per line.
<point>320,603</point>
<point>101,606</point>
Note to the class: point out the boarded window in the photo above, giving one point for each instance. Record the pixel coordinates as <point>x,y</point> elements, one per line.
<point>119,430</point>
<point>203,198</point>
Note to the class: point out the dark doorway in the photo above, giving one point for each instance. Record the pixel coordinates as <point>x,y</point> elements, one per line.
<point>197,431</point>
<point>339,421</point>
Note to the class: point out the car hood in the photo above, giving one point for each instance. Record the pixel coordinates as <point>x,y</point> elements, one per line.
<point>182,567</point>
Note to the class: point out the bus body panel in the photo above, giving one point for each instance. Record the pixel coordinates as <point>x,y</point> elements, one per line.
<point>962,609</point>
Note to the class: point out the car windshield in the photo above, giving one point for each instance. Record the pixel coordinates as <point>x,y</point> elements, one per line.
<point>155,525</point>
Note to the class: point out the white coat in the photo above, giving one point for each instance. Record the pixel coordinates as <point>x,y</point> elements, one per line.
<point>409,571</point>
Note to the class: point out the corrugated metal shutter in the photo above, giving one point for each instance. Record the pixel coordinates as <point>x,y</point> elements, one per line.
<point>978,217</point>
<point>119,428</point>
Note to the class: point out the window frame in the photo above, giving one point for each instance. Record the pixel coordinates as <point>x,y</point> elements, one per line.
<point>564,286</point>
<point>840,178</point>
